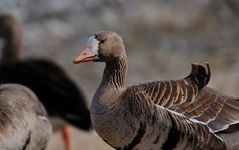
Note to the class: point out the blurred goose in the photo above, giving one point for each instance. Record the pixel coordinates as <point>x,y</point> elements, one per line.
<point>175,114</point>
<point>23,119</point>
<point>57,92</point>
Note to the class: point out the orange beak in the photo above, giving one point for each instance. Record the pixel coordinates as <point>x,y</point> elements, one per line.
<point>85,56</point>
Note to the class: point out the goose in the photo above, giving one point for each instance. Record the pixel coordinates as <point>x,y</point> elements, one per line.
<point>23,119</point>
<point>58,93</point>
<point>175,114</point>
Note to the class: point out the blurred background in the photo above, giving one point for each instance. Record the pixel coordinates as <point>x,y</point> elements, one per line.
<point>162,38</point>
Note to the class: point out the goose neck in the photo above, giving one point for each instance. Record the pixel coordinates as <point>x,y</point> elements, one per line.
<point>111,87</point>
<point>115,74</point>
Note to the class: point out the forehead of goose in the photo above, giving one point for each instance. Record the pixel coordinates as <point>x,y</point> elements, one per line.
<point>93,43</point>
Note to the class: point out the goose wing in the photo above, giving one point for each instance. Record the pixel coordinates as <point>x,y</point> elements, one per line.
<point>167,129</point>
<point>191,97</point>
<point>173,93</point>
<point>218,111</point>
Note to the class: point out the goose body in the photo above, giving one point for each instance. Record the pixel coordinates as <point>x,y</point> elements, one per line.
<point>23,119</point>
<point>175,114</point>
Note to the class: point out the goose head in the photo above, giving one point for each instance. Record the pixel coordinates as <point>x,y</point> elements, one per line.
<point>104,46</point>
<point>8,26</point>
<point>10,34</point>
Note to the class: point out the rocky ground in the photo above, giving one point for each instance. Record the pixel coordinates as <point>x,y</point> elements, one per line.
<point>162,38</point>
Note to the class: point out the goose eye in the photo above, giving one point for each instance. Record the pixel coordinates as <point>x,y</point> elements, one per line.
<point>102,41</point>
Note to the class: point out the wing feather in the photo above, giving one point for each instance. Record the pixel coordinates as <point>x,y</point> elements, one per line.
<point>191,98</point>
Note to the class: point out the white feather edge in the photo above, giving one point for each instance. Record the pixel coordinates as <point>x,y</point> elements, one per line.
<point>195,121</point>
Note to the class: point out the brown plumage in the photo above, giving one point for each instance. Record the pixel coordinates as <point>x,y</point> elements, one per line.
<point>23,119</point>
<point>175,114</point>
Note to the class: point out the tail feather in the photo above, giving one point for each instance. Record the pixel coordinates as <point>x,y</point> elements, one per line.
<point>200,75</point>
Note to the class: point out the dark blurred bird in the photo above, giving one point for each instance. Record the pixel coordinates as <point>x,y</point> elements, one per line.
<point>23,120</point>
<point>57,92</point>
